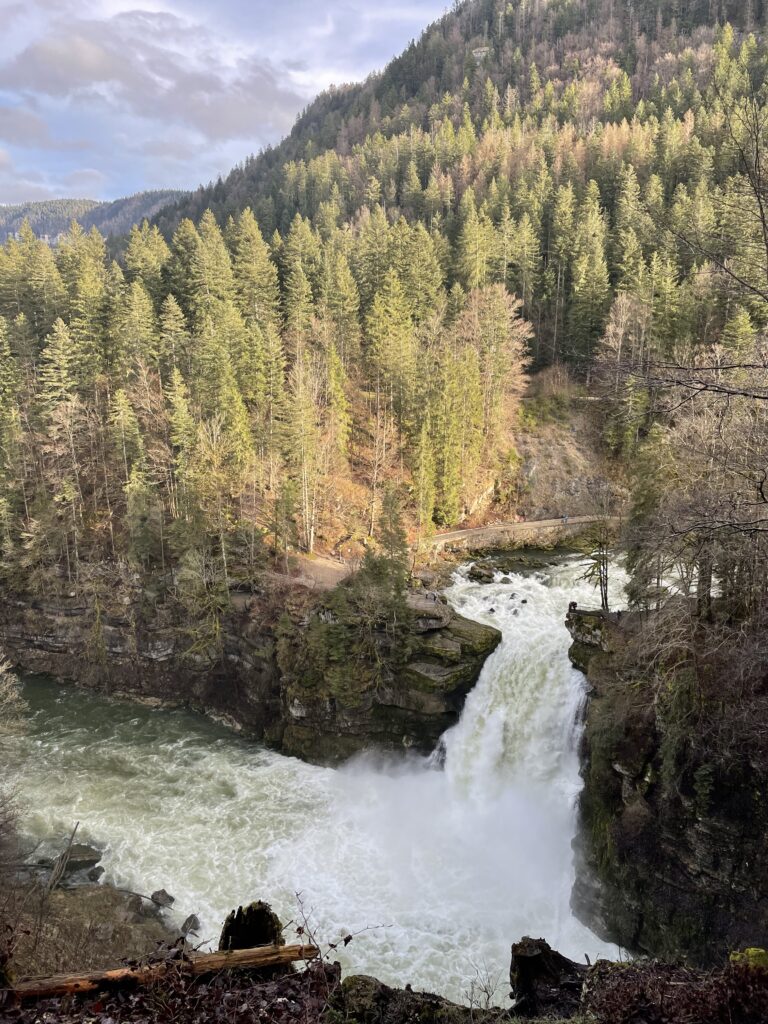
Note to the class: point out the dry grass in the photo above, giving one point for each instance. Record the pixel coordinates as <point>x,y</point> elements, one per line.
<point>85,928</point>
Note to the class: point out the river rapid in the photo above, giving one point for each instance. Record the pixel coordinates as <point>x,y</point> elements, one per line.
<point>439,871</point>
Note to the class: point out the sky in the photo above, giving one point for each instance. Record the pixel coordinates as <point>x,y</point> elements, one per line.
<point>103,98</point>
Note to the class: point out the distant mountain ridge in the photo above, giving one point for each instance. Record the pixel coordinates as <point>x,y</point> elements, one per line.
<point>52,217</point>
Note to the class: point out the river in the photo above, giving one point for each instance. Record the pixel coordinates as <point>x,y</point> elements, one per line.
<point>436,872</point>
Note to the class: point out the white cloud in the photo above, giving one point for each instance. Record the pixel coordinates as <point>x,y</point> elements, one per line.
<point>171,93</point>
<point>85,181</point>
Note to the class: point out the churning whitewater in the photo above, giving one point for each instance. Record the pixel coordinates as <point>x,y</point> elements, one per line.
<point>425,864</point>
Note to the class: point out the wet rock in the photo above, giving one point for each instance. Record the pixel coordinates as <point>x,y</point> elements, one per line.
<point>191,925</point>
<point>74,867</point>
<point>83,857</point>
<point>481,574</point>
<point>161,898</point>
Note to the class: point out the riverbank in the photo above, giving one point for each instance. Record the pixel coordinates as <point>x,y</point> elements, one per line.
<point>131,637</point>
<point>139,644</point>
<point>545,986</point>
<point>671,853</point>
<point>61,915</point>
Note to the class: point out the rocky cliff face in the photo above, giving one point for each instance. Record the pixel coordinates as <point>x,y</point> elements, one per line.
<point>139,650</point>
<point>340,701</point>
<point>142,649</point>
<point>672,857</point>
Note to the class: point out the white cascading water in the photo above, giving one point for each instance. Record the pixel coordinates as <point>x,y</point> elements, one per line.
<point>439,871</point>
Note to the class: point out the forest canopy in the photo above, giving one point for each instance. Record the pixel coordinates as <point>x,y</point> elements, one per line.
<point>530,184</point>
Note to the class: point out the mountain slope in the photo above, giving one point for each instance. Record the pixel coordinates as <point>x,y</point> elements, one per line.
<point>534,184</point>
<point>569,41</point>
<point>53,217</point>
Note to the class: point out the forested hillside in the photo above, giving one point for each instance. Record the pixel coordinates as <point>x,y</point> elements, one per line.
<point>530,184</point>
<point>53,217</point>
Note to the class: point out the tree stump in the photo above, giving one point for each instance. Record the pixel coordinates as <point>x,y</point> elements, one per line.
<point>251,926</point>
<point>544,983</point>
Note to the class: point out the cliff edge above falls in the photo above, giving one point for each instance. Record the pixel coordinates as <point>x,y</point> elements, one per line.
<point>287,670</point>
<point>672,853</point>
<point>348,684</point>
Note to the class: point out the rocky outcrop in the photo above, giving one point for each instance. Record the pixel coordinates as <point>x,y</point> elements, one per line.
<point>365,1000</point>
<point>337,705</point>
<point>144,649</point>
<point>672,853</point>
<point>141,648</point>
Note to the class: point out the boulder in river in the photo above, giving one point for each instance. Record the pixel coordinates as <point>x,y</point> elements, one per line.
<point>481,574</point>
<point>191,925</point>
<point>82,857</point>
<point>161,898</point>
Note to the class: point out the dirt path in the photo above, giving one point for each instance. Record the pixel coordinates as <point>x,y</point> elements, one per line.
<point>320,572</point>
<point>499,534</point>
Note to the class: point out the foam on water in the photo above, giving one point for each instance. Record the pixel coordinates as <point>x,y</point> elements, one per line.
<point>426,864</point>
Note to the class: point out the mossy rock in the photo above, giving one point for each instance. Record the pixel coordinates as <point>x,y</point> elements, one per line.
<point>581,655</point>
<point>433,677</point>
<point>475,638</point>
<point>439,646</point>
<point>754,958</point>
<point>318,747</point>
<point>366,1000</point>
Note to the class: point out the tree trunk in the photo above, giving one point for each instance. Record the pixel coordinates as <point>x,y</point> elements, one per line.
<point>704,589</point>
<point>201,964</point>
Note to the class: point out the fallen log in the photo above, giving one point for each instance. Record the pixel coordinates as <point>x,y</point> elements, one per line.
<point>145,974</point>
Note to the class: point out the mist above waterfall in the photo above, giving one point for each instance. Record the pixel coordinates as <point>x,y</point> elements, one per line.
<point>426,864</point>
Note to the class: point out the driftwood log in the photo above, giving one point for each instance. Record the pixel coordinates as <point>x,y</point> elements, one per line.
<point>199,964</point>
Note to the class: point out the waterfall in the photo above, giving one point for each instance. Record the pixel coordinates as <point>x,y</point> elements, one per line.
<point>437,871</point>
